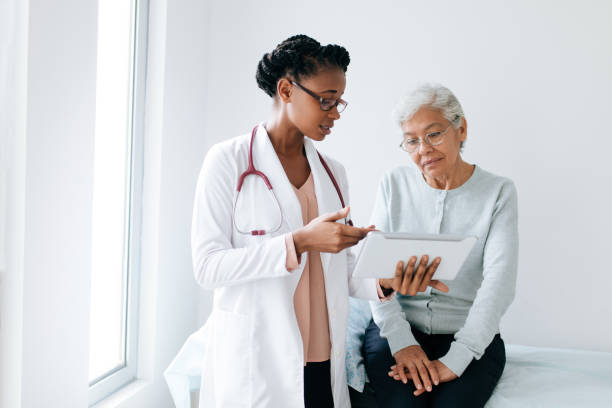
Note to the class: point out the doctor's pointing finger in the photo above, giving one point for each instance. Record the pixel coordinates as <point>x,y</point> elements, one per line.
<point>324,234</point>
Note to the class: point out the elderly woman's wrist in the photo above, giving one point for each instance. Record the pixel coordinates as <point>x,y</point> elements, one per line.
<point>385,287</point>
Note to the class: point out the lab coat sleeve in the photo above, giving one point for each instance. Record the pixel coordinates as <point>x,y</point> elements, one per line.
<point>216,262</point>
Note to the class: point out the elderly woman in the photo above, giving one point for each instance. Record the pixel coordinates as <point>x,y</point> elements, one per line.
<point>443,349</point>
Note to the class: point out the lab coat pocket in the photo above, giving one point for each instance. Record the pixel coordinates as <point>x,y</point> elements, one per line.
<point>232,359</point>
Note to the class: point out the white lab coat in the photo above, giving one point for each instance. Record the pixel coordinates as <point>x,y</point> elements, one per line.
<point>251,344</point>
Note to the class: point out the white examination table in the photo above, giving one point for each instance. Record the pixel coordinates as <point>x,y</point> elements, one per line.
<point>546,377</point>
<point>534,377</point>
<point>537,377</point>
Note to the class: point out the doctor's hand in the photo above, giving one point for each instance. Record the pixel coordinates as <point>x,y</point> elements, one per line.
<point>413,278</point>
<point>413,364</point>
<point>444,374</point>
<point>324,234</point>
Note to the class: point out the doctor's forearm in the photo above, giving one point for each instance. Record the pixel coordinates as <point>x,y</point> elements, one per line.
<point>235,266</point>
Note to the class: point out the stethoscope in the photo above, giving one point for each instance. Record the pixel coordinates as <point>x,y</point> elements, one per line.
<point>251,170</point>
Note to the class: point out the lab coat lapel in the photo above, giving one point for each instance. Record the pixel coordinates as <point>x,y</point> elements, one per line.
<point>267,162</point>
<point>327,196</point>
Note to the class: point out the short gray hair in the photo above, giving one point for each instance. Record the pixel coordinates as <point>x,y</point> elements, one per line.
<point>434,96</point>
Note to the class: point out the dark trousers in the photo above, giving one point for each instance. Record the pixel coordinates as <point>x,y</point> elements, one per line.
<point>471,390</point>
<point>317,385</point>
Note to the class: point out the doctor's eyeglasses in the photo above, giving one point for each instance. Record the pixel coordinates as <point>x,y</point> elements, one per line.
<point>326,104</point>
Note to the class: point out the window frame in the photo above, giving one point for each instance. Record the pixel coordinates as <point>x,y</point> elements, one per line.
<point>123,375</point>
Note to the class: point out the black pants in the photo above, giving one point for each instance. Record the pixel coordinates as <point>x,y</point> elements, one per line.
<point>317,385</point>
<point>471,390</point>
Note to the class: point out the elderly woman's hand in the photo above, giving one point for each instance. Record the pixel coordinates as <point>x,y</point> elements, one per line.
<point>437,370</point>
<point>413,279</point>
<point>412,363</point>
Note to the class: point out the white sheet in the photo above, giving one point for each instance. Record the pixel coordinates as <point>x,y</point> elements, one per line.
<point>555,378</point>
<point>534,377</point>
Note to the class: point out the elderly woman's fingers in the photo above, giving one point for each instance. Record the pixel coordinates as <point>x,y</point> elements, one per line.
<point>395,282</point>
<point>395,375</point>
<point>428,275</point>
<point>408,275</point>
<point>439,285</point>
<point>397,279</point>
<point>401,371</point>
<point>424,374</point>
<point>419,275</point>
<point>433,371</point>
<point>415,376</point>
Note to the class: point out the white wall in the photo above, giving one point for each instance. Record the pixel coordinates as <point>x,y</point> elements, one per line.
<point>47,73</point>
<point>13,64</point>
<point>534,80</point>
<point>57,240</point>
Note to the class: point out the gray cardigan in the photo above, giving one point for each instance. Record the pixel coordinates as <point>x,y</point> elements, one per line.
<point>484,206</point>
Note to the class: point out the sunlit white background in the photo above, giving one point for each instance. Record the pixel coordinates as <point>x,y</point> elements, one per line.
<point>533,78</point>
<point>111,183</point>
<point>534,81</point>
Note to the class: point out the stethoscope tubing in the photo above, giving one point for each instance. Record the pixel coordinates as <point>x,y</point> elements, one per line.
<point>251,170</point>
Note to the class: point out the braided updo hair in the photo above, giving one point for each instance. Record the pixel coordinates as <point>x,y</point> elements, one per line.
<point>298,56</point>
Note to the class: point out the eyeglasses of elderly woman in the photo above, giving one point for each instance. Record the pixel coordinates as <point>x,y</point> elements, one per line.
<point>325,103</point>
<point>411,145</point>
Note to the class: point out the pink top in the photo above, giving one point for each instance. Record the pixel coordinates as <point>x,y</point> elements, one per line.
<point>309,299</point>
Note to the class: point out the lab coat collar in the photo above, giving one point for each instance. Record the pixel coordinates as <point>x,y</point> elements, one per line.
<point>328,200</point>
<point>266,161</point>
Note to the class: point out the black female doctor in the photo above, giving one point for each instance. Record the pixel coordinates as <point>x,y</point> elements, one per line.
<point>245,207</point>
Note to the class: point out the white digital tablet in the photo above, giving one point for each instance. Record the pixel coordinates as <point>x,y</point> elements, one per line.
<point>381,251</point>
